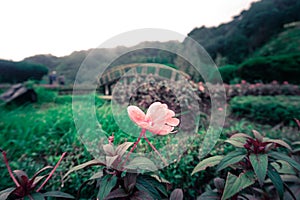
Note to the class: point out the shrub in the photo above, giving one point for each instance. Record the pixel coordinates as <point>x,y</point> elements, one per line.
<point>228,73</point>
<point>267,69</point>
<point>267,109</point>
<point>16,72</point>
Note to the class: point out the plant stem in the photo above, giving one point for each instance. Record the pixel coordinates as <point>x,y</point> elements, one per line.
<point>52,172</point>
<point>153,147</point>
<point>9,169</point>
<point>143,131</point>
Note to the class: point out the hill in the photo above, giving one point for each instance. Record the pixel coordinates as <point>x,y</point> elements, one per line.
<point>16,72</point>
<point>233,42</point>
<point>286,42</point>
<point>69,65</point>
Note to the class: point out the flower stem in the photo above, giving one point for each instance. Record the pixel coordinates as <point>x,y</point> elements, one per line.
<point>52,172</point>
<point>143,131</point>
<point>9,169</point>
<point>153,147</point>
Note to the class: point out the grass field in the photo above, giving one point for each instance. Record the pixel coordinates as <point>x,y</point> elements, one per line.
<point>35,135</point>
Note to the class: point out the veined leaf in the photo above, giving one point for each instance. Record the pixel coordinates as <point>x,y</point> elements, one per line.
<point>109,149</point>
<point>84,165</point>
<point>121,149</point>
<point>237,141</point>
<point>231,158</point>
<point>257,135</point>
<point>240,135</point>
<point>276,180</point>
<point>5,193</point>
<point>144,185</point>
<point>286,158</point>
<point>235,184</point>
<point>97,175</point>
<point>141,163</point>
<point>117,194</point>
<point>177,194</point>
<point>208,162</point>
<point>280,142</point>
<point>141,195</point>
<point>129,181</point>
<point>283,167</point>
<point>259,163</point>
<point>58,194</point>
<point>110,160</point>
<point>35,196</point>
<point>209,195</point>
<point>106,185</point>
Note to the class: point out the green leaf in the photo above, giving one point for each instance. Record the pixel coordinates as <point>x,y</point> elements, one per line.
<point>208,162</point>
<point>40,171</point>
<point>235,184</point>
<point>110,160</point>
<point>257,135</point>
<point>106,185</point>
<point>276,180</point>
<point>286,158</point>
<point>5,193</point>
<point>84,165</point>
<point>97,175</point>
<point>238,135</point>
<point>238,139</point>
<point>141,195</point>
<point>283,167</point>
<point>117,194</point>
<point>143,184</point>
<point>58,194</point>
<point>209,195</point>
<point>237,142</point>
<point>109,149</point>
<point>38,179</point>
<point>141,163</point>
<point>129,181</point>
<point>36,196</point>
<point>121,149</point>
<point>280,142</point>
<point>231,158</point>
<point>259,163</point>
<point>177,194</point>
<point>158,185</point>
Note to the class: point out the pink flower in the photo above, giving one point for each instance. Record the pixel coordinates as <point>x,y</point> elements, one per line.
<point>158,119</point>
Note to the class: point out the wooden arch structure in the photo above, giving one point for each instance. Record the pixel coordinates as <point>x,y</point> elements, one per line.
<point>129,71</point>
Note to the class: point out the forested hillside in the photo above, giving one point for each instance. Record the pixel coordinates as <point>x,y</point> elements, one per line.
<point>15,72</point>
<point>237,40</point>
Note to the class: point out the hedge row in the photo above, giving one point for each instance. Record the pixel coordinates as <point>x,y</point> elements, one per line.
<point>267,109</point>
<point>264,69</point>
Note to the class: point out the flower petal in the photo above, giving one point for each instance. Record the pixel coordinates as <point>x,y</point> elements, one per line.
<point>165,130</point>
<point>172,121</point>
<point>136,115</point>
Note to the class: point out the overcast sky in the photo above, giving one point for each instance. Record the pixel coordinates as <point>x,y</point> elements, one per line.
<point>59,27</point>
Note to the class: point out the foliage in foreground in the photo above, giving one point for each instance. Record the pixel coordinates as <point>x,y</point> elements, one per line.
<point>257,169</point>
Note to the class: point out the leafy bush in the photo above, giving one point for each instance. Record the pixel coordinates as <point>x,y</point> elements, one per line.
<point>267,69</point>
<point>267,109</point>
<point>16,72</point>
<point>228,73</point>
